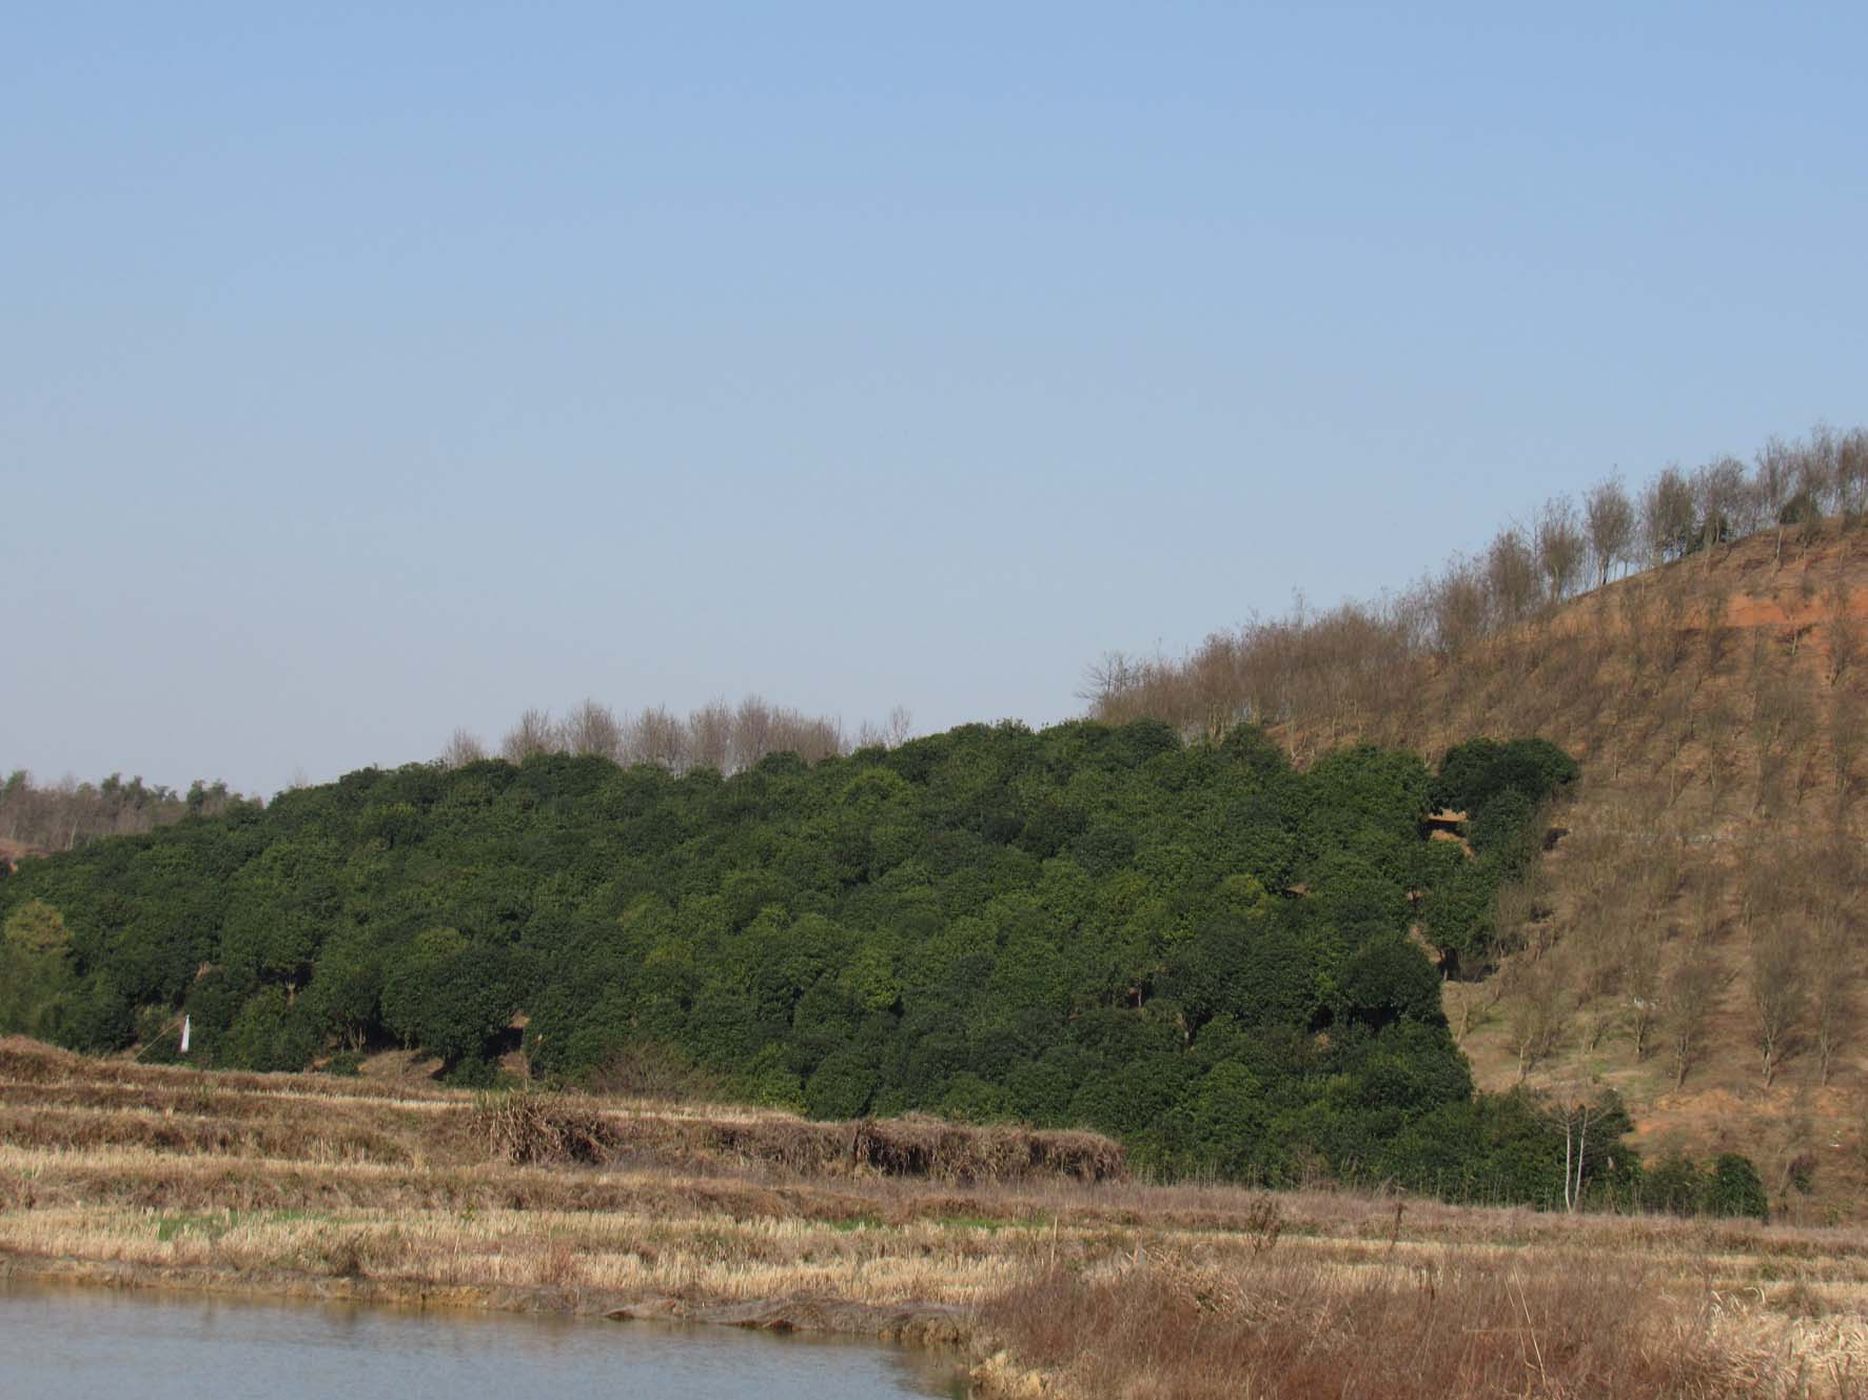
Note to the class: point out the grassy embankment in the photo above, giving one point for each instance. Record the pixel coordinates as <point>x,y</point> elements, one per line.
<point>1027,1252</point>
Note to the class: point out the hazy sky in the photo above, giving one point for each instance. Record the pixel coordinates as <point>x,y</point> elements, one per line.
<point>365,374</point>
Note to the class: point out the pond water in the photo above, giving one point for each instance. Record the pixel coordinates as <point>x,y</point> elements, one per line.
<point>61,1344</point>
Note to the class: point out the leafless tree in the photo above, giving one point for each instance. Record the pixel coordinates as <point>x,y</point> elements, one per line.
<point>752,731</point>
<point>1535,1014</point>
<point>1574,1116</point>
<point>715,736</point>
<point>809,737</point>
<point>1816,462</point>
<point>592,731</point>
<point>1668,523</point>
<point>1851,474</point>
<point>1635,602</point>
<point>1326,677</point>
<point>462,749</point>
<point>1780,718</point>
<point>1641,980</point>
<point>1511,577</point>
<point>1458,608</point>
<point>1721,500</point>
<point>69,813</point>
<point>1674,593</point>
<point>1832,999</point>
<point>1717,593</point>
<point>1609,517</point>
<point>710,736</point>
<point>1773,481</point>
<point>1848,721</point>
<point>1779,992</point>
<point>533,735</point>
<point>900,726</point>
<point>1693,991</point>
<point>657,736</point>
<point>1843,626</point>
<point>1562,548</point>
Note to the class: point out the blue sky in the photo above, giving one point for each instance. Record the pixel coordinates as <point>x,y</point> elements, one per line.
<point>365,374</point>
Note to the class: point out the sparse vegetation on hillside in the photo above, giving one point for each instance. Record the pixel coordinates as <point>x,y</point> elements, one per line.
<point>1320,677</point>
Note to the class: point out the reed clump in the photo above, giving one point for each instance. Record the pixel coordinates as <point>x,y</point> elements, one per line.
<point>915,1145</point>
<point>529,1129</point>
<point>1462,1324</point>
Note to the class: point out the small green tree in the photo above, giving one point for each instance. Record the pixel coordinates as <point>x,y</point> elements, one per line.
<point>1733,1188</point>
<point>35,969</point>
<point>1673,1184</point>
<point>841,1086</point>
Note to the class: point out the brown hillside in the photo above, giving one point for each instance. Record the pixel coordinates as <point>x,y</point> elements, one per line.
<point>1694,939</point>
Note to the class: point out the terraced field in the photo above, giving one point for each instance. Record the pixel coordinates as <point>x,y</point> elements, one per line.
<point>1030,1254</point>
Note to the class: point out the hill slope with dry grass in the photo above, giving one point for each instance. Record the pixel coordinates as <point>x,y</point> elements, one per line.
<point>1694,937</point>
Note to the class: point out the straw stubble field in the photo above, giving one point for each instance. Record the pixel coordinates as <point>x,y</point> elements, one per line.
<point>1029,1254</point>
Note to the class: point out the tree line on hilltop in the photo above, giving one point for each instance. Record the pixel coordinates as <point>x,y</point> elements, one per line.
<point>62,815</point>
<point>719,736</point>
<point>1341,661</point>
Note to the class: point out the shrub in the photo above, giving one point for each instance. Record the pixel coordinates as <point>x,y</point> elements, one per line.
<point>532,1129</point>
<point>1673,1185</point>
<point>1733,1188</point>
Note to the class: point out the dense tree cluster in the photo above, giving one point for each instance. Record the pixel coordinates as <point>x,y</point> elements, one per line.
<point>1193,946</point>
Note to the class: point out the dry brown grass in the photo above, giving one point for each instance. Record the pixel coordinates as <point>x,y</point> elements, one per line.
<point>52,1099</point>
<point>912,1146</point>
<point>1456,1324</point>
<point>25,1061</point>
<point>1108,1287</point>
<point>536,1129</point>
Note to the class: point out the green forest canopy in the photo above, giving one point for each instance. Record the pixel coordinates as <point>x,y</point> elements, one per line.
<point>1194,947</point>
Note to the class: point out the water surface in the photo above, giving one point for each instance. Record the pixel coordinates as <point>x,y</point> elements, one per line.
<point>62,1344</point>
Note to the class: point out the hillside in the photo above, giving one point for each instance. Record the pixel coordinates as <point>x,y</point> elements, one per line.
<point>1694,939</point>
<point>1194,947</point>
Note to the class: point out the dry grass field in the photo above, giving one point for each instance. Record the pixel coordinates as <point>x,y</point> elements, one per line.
<point>1030,1255</point>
